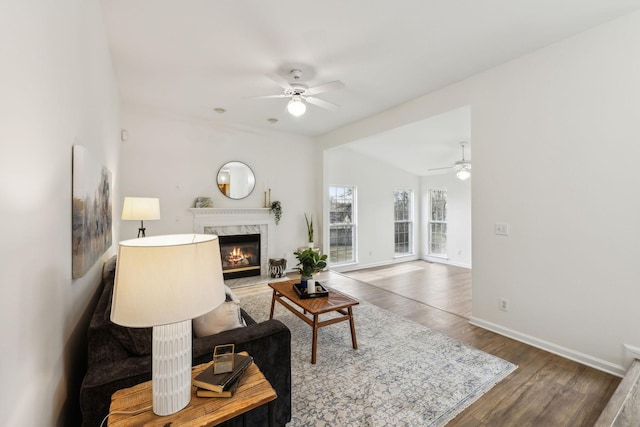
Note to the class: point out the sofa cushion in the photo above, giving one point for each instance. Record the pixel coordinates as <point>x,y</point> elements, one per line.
<point>223,318</point>
<point>137,341</point>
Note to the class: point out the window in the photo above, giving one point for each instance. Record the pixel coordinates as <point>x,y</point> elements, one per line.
<point>403,222</point>
<point>342,202</point>
<point>438,222</point>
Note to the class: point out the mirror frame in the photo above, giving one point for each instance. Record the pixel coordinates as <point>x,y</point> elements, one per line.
<point>224,180</point>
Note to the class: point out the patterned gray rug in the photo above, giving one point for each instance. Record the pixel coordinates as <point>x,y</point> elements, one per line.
<point>402,374</point>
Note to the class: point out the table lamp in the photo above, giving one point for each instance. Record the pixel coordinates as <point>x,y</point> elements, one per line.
<point>141,209</point>
<point>164,282</point>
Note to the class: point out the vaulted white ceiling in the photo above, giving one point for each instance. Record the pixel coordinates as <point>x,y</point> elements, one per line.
<point>189,57</point>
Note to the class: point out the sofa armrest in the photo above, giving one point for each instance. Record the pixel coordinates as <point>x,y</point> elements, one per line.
<point>269,343</point>
<point>102,380</point>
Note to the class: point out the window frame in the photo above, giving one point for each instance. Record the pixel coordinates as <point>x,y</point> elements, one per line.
<point>409,221</point>
<point>441,224</point>
<point>352,225</point>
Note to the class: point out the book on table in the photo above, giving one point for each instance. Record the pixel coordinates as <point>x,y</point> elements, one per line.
<point>222,382</point>
<point>201,392</point>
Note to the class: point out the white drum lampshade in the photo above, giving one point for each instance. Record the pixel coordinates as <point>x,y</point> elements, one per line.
<point>164,282</point>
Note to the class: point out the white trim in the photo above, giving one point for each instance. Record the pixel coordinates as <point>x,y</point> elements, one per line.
<point>565,352</point>
<point>354,266</point>
<point>229,211</point>
<point>633,350</point>
<point>441,260</point>
<point>403,256</point>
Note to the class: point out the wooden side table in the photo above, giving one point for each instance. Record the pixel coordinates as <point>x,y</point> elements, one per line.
<point>253,391</point>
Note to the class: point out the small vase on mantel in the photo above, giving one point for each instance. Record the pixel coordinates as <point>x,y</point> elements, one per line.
<point>310,245</point>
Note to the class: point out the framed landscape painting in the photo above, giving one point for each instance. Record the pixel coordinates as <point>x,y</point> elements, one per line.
<point>91,211</point>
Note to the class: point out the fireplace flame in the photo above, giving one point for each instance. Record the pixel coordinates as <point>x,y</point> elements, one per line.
<point>236,257</point>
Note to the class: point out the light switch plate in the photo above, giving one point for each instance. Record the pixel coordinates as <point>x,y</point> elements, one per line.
<point>502,228</point>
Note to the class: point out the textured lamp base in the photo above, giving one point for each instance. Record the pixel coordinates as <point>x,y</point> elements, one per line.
<point>171,374</point>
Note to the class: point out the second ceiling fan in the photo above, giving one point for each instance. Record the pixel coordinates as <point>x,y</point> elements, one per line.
<point>462,167</point>
<point>300,93</point>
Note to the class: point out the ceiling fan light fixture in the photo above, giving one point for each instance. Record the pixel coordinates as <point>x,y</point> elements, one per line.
<point>296,107</point>
<point>463,174</point>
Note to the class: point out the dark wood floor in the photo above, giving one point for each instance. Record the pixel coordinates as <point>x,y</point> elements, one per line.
<point>546,390</point>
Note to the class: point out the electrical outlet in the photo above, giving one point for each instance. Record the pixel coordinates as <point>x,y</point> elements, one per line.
<point>503,304</point>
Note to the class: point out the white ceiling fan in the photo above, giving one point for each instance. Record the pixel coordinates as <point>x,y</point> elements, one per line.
<point>462,167</point>
<point>300,93</point>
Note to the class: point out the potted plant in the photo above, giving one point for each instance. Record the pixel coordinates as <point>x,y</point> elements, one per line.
<point>309,263</point>
<point>309,221</point>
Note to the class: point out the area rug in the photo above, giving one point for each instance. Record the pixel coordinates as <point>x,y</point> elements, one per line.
<point>402,374</point>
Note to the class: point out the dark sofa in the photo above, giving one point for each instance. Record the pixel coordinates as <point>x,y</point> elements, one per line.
<point>120,357</point>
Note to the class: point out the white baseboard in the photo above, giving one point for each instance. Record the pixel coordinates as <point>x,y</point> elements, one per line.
<point>635,351</point>
<point>567,353</point>
<point>356,266</point>
<point>445,261</point>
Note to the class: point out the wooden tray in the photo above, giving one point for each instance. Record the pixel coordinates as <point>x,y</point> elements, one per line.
<point>303,295</point>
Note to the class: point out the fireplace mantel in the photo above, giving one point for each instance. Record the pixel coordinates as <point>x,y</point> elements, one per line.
<point>229,211</point>
<point>229,216</point>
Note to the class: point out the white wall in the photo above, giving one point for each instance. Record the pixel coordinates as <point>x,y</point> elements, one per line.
<point>57,90</point>
<point>178,160</point>
<point>375,182</point>
<point>556,137</point>
<point>458,218</point>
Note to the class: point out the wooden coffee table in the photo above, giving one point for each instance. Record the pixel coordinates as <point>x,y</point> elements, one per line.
<point>284,293</point>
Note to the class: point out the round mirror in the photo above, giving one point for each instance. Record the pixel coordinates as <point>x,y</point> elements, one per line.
<point>236,180</point>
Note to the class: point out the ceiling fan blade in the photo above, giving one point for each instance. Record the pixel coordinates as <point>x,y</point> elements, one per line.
<point>335,85</point>
<point>270,96</point>
<point>281,81</point>
<point>438,169</point>
<point>322,104</point>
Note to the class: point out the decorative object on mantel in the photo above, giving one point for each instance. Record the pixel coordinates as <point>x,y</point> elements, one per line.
<point>309,221</point>
<point>203,202</point>
<point>276,210</point>
<point>267,198</point>
<point>277,266</point>
<point>309,263</point>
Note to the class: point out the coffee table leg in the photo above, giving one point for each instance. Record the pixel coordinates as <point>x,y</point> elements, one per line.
<point>353,329</point>
<point>314,344</point>
<point>273,303</point>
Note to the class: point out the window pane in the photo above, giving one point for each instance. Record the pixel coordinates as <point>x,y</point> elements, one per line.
<point>437,223</point>
<point>341,205</point>
<point>438,205</point>
<point>402,234</point>
<point>438,238</point>
<point>402,205</point>
<point>402,209</point>
<point>341,243</point>
<point>341,224</point>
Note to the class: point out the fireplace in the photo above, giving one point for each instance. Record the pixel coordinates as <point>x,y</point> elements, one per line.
<point>240,255</point>
<point>237,221</point>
